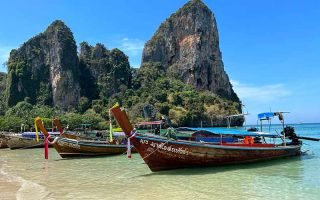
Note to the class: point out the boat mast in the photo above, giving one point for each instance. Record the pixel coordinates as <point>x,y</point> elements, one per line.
<point>242,110</point>
<point>280,115</point>
<point>228,121</point>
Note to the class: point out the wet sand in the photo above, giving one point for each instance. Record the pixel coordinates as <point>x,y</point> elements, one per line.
<point>8,188</point>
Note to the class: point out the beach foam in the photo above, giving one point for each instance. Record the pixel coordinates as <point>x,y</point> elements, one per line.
<point>15,186</point>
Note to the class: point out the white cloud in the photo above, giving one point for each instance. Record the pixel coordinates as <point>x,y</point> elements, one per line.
<point>262,93</point>
<point>133,48</point>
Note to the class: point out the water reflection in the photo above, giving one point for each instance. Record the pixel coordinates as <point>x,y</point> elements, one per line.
<point>117,177</point>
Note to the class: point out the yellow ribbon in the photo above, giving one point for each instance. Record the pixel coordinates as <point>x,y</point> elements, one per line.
<point>35,126</point>
<point>117,130</point>
<point>111,131</point>
<point>115,105</point>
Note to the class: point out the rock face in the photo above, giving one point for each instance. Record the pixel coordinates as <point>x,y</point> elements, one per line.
<point>103,72</point>
<point>187,46</point>
<point>3,77</point>
<point>45,69</point>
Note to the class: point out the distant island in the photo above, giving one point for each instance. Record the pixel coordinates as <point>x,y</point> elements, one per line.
<point>181,78</point>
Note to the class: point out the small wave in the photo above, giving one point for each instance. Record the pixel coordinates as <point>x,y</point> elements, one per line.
<point>28,189</point>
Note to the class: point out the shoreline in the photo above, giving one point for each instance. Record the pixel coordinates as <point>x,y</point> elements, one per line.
<point>14,187</point>
<point>8,186</point>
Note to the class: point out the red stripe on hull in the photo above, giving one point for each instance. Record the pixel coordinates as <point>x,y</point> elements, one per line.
<point>248,145</point>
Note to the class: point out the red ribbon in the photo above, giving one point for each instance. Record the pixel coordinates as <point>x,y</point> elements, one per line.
<point>46,148</point>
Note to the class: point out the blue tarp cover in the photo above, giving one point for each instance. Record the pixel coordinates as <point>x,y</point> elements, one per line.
<point>266,115</point>
<point>229,131</point>
<point>33,134</point>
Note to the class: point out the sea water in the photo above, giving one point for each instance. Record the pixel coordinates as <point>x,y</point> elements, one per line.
<point>25,174</point>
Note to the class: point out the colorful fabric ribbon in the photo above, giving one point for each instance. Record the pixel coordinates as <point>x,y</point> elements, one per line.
<point>46,148</point>
<point>36,128</point>
<point>128,148</point>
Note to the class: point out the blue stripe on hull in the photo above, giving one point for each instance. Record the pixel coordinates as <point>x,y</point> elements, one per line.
<point>93,144</point>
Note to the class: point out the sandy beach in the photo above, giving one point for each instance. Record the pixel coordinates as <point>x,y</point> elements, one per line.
<point>8,188</point>
<point>13,187</point>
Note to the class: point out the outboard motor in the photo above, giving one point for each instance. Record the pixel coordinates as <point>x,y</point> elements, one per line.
<point>290,133</point>
<point>253,129</point>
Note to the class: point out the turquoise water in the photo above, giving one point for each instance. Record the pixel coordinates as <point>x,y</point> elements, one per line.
<point>117,177</point>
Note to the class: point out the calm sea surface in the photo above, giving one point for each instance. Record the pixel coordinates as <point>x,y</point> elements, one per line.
<point>24,174</point>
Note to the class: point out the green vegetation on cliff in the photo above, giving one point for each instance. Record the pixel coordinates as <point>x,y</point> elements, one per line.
<point>22,82</point>
<point>45,69</point>
<point>46,77</point>
<point>3,105</point>
<point>103,73</point>
<point>156,95</point>
<point>152,96</point>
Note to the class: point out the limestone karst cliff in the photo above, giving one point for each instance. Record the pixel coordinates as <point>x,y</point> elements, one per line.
<point>45,69</point>
<point>187,46</point>
<point>103,72</point>
<point>3,77</point>
<point>48,71</point>
<point>181,78</point>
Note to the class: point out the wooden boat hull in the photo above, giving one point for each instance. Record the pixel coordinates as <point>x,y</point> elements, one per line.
<point>3,143</point>
<point>162,154</point>
<point>67,147</point>
<point>3,140</point>
<point>16,142</point>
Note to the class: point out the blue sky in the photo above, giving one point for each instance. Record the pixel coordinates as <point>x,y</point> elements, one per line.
<point>270,48</point>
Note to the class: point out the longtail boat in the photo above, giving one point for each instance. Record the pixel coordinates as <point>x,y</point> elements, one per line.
<point>70,145</point>
<point>26,140</point>
<point>162,153</point>
<point>78,148</point>
<point>3,143</point>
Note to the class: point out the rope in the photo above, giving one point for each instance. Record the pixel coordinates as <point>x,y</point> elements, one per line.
<point>154,151</point>
<point>278,133</point>
<point>54,141</point>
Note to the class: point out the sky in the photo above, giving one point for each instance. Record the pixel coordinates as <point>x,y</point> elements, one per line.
<point>270,48</point>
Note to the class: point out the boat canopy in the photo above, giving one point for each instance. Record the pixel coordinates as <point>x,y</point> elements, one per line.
<point>266,115</point>
<point>34,133</point>
<point>229,131</point>
<point>150,123</point>
<point>238,115</point>
<point>119,134</point>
